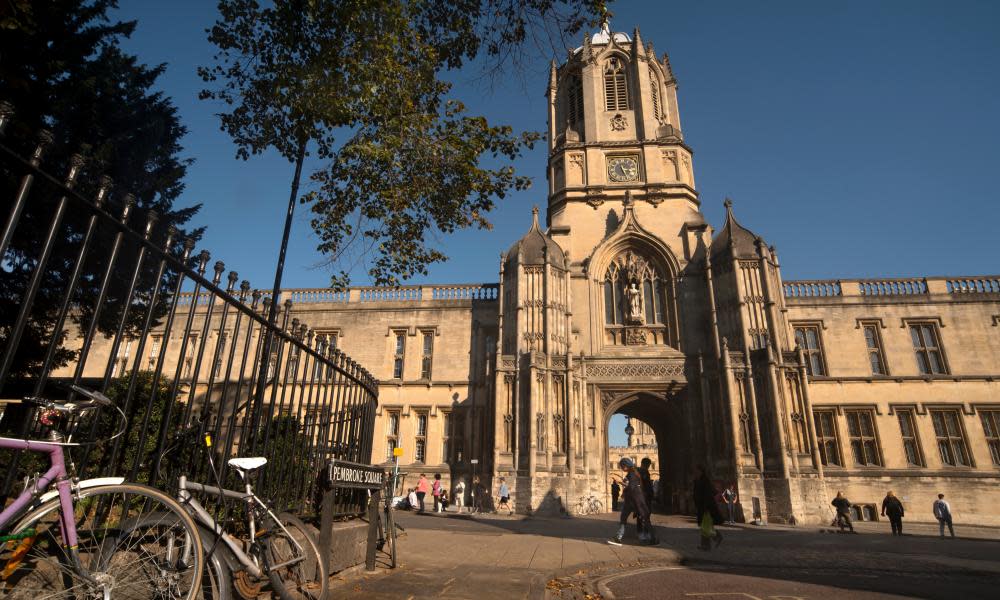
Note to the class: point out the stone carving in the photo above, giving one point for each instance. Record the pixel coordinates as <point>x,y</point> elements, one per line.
<point>655,195</point>
<point>559,362</point>
<point>689,176</point>
<point>634,370</point>
<point>619,122</point>
<point>576,169</point>
<point>670,163</point>
<point>635,337</point>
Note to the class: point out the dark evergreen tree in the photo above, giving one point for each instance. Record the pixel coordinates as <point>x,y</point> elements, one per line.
<point>62,69</point>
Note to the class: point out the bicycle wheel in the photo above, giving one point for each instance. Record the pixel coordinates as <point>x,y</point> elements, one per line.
<point>134,543</point>
<point>295,566</point>
<point>217,583</point>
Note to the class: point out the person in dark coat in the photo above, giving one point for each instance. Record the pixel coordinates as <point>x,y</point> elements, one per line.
<point>843,506</point>
<point>616,491</point>
<point>893,508</point>
<point>633,500</point>
<point>704,503</point>
<point>647,481</point>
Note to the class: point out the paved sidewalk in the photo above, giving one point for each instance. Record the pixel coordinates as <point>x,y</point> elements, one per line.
<point>496,556</point>
<point>508,557</point>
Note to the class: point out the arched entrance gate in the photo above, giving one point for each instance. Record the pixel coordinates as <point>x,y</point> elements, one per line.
<point>656,393</point>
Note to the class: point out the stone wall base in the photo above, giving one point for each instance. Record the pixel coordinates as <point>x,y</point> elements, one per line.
<point>350,544</point>
<point>796,501</point>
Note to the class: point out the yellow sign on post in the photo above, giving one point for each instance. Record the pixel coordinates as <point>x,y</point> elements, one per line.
<point>397,452</point>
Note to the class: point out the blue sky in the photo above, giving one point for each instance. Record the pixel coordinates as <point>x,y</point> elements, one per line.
<point>858,137</point>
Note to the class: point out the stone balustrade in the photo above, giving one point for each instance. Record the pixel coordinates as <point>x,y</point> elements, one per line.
<point>408,293</point>
<point>811,289</point>
<point>973,285</point>
<point>906,286</point>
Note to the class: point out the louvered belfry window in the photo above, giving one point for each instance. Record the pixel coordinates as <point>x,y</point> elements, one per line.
<point>615,86</point>
<point>574,102</point>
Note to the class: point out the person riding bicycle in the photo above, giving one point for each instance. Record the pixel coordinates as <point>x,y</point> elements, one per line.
<point>634,501</point>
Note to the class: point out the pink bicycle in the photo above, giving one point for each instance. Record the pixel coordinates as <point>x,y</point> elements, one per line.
<point>94,539</point>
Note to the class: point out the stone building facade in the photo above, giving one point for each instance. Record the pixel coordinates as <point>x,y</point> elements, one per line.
<point>623,299</point>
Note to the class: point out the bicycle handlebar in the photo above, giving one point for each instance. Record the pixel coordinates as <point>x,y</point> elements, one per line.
<point>94,399</point>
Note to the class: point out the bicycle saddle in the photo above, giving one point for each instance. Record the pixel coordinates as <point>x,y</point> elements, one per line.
<point>245,465</point>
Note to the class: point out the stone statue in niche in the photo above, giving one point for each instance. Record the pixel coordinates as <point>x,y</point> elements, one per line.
<point>634,297</point>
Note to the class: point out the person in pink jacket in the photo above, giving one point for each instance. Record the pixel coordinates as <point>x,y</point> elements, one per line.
<point>422,488</point>
<point>436,491</point>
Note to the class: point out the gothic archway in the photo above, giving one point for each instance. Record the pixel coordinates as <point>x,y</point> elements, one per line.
<point>638,301</point>
<point>634,300</point>
<point>675,451</point>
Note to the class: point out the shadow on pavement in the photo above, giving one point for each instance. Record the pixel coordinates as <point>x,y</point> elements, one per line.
<point>778,558</point>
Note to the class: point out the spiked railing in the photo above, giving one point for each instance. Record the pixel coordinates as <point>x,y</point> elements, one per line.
<point>183,356</point>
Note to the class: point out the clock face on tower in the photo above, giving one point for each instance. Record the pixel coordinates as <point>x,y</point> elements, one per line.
<point>622,169</point>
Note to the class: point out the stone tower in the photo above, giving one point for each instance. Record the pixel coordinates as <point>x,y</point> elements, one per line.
<point>626,304</point>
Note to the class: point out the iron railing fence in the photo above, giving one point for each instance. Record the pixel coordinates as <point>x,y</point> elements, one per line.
<point>87,298</point>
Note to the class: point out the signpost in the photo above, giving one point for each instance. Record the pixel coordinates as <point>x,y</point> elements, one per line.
<point>476,500</point>
<point>396,453</point>
<point>341,474</point>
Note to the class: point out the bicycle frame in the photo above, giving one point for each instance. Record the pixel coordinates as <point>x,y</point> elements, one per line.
<point>64,489</point>
<point>202,516</point>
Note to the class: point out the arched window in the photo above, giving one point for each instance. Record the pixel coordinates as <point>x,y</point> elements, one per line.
<point>654,86</point>
<point>616,86</point>
<point>625,270</point>
<point>574,103</point>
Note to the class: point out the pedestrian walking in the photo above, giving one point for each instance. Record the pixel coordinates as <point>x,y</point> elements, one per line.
<point>893,508</point>
<point>729,496</point>
<point>942,512</point>
<point>422,488</point>
<point>615,493</point>
<point>459,495</point>
<point>436,492</point>
<point>480,498</point>
<point>843,506</point>
<point>504,494</point>
<point>633,500</point>
<point>647,481</point>
<point>706,509</point>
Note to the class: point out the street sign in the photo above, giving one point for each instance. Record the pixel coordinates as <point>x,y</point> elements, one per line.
<point>343,474</point>
<point>474,461</point>
<point>397,451</point>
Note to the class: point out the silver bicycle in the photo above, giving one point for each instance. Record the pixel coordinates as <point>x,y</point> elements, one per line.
<point>275,547</point>
<point>589,505</point>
